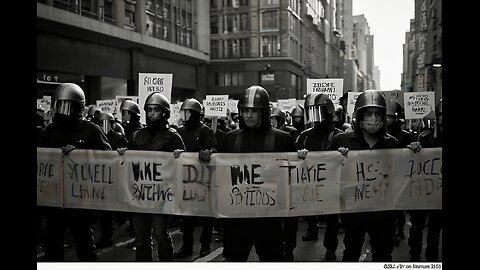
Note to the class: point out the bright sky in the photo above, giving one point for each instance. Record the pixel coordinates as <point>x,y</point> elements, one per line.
<point>389,20</point>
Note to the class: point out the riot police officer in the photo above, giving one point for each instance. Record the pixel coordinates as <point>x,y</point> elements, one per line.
<point>197,137</point>
<point>319,111</point>
<point>256,134</point>
<point>69,131</point>
<point>156,136</point>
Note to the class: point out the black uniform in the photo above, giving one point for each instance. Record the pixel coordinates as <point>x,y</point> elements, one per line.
<point>154,138</point>
<point>404,138</point>
<point>380,225</point>
<point>83,135</point>
<point>267,235</point>
<point>197,136</point>
<point>418,218</point>
<point>317,139</point>
<point>117,140</point>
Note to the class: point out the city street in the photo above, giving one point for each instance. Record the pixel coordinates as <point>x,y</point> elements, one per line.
<point>306,251</point>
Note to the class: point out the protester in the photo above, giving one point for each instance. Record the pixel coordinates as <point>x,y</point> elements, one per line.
<point>116,140</point>
<point>369,133</point>
<point>255,135</point>
<point>278,119</point>
<point>394,121</point>
<point>319,111</point>
<point>298,119</point>
<point>156,136</point>
<point>427,139</point>
<point>131,124</point>
<point>197,138</point>
<point>70,131</point>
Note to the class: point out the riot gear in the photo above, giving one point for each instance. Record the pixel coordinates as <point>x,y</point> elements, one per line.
<point>131,106</point>
<point>255,97</point>
<point>69,99</point>
<point>190,107</point>
<point>370,98</point>
<point>161,100</point>
<point>279,116</point>
<point>317,107</point>
<point>106,121</point>
<point>191,104</point>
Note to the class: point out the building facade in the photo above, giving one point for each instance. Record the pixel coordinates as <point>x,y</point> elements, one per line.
<point>277,44</point>
<point>102,45</point>
<point>422,51</point>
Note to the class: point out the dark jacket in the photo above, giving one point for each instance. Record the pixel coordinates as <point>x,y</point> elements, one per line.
<point>117,139</point>
<point>316,139</point>
<point>256,140</point>
<point>198,137</point>
<point>83,135</point>
<point>354,141</point>
<point>162,138</point>
<point>403,137</point>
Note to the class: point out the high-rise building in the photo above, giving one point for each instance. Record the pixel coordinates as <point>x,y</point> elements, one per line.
<point>422,54</point>
<point>277,44</point>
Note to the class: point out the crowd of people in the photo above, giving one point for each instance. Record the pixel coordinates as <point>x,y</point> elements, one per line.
<point>316,125</point>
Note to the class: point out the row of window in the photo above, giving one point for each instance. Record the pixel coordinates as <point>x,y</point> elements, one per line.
<point>240,47</point>
<point>171,20</point>
<point>242,3</point>
<point>237,78</point>
<point>239,22</point>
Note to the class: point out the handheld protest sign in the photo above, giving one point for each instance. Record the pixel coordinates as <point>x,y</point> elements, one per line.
<point>216,105</point>
<point>333,88</point>
<point>419,105</point>
<point>107,105</point>
<point>351,99</point>
<point>153,82</point>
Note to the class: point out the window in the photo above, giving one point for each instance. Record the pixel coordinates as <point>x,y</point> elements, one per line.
<point>108,10</point>
<point>213,4</point>
<point>214,25</point>
<point>130,14</point>
<point>228,79</point>
<point>234,48</point>
<point>269,2</point>
<point>243,22</point>
<point>228,23</point>
<point>270,20</point>
<point>270,46</point>
<point>214,49</point>
<point>243,47</point>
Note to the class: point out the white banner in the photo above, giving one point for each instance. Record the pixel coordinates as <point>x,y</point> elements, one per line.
<point>49,177</point>
<point>241,185</point>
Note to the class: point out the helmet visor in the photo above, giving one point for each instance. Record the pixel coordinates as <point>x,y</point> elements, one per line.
<point>314,114</point>
<point>105,125</point>
<point>125,116</point>
<point>63,107</point>
<point>185,115</point>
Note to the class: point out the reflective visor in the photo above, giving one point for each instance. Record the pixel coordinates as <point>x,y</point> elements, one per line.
<point>63,107</point>
<point>105,125</point>
<point>313,114</point>
<point>185,115</point>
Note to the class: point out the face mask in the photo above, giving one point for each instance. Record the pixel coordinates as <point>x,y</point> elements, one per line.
<point>371,127</point>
